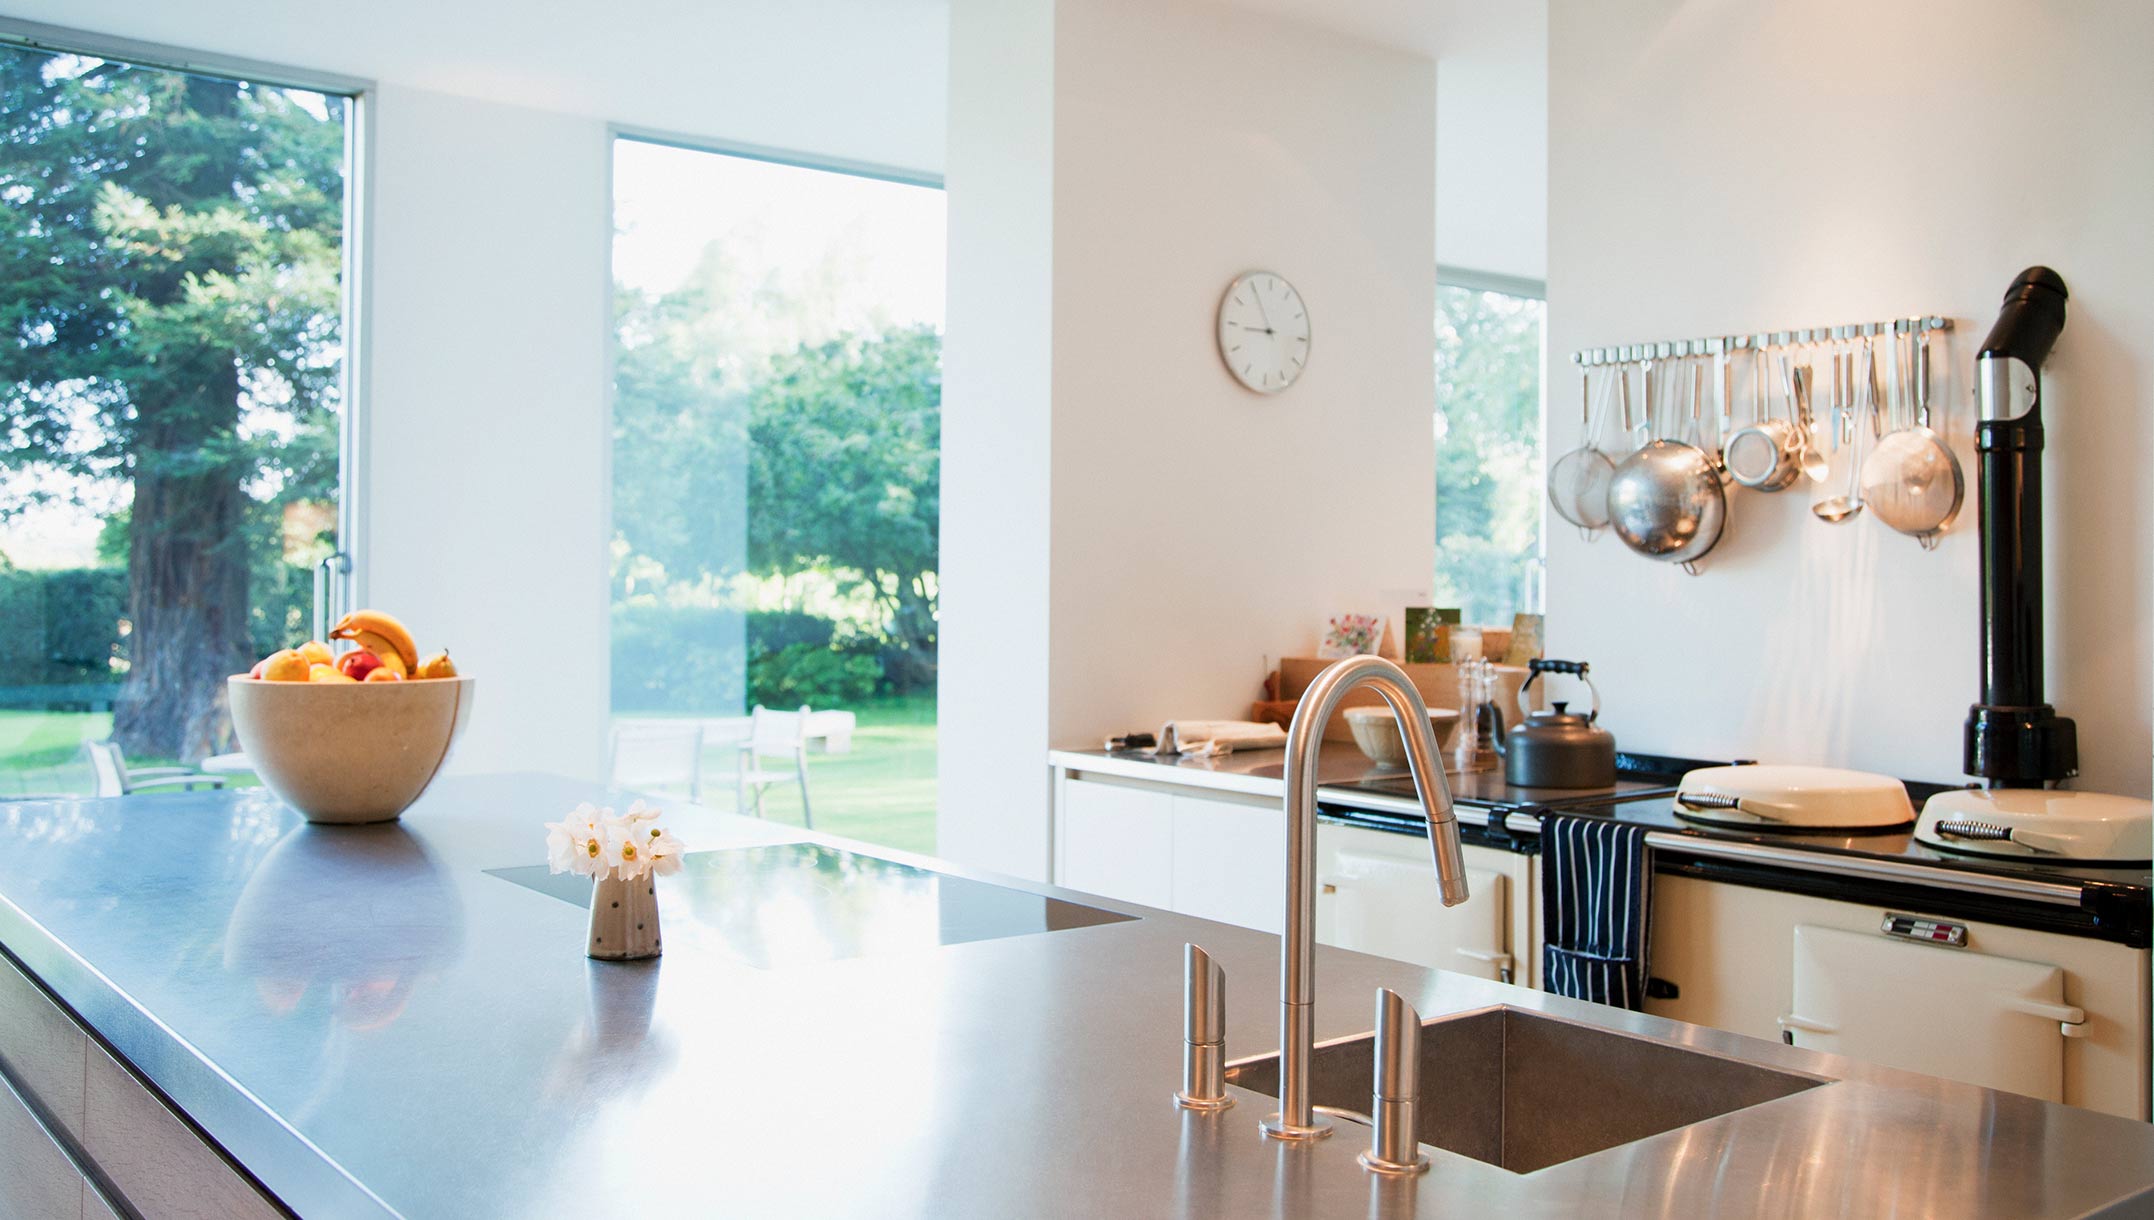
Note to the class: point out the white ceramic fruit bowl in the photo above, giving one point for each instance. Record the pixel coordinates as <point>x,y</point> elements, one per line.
<point>1376,731</point>
<point>348,752</point>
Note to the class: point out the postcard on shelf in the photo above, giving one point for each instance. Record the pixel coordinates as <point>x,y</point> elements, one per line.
<point>1526,641</point>
<point>1428,634</point>
<point>1350,635</point>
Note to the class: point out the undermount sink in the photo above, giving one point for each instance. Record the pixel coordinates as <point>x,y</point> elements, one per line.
<point>1523,1091</point>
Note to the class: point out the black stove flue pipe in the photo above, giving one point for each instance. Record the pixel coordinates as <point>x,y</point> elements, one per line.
<point>2014,739</point>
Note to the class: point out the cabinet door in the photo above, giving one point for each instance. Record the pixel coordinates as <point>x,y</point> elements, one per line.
<point>1116,841</point>
<point>1992,1021</point>
<point>1230,862</point>
<point>36,1178</point>
<point>1376,893</point>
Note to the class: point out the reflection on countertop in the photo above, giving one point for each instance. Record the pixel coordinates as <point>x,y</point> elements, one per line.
<point>788,904</point>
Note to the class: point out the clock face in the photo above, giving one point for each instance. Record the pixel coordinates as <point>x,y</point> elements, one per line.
<point>1263,332</point>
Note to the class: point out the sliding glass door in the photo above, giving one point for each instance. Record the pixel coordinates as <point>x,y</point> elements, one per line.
<point>172,278</point>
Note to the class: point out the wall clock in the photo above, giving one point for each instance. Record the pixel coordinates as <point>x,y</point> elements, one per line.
<point>1263,331</point>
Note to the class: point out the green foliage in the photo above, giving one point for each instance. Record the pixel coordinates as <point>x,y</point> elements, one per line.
<point>823,457</point>
<point>171,241</point>
<point>800,674</point>
<point>693,658</point>
<point>845,474</point>
<point>1488,451</point>
<point>64,626</point>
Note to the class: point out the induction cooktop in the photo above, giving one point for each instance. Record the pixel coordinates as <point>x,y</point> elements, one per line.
<point>791,904</point>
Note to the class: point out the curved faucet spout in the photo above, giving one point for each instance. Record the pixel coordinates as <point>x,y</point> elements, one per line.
<point>1297,1118</point>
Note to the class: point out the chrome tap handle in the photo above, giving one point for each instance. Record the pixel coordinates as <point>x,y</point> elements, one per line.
<point>1204,1033</point>
<point>1394,1146</point>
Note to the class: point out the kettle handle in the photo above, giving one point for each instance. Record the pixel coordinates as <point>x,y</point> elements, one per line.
<point>1577,669</point>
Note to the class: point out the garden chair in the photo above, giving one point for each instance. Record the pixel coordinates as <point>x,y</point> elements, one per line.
<point>658,756</point>
<point>778,735</point>
<point>111,776</point>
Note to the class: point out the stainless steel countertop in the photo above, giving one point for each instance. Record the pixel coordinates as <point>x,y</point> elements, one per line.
<point>1888,856</point>
<point>376,1026</point>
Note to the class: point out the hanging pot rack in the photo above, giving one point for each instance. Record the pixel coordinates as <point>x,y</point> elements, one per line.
<point>1716,345</point>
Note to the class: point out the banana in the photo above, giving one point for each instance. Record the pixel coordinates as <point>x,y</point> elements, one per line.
<point>381,634</point>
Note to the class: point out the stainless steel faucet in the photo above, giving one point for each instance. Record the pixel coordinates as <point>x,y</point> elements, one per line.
<point>1297,1118</point>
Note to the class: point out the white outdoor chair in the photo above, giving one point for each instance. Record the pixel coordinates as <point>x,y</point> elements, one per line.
<point>111,776</point>
<point>773,735</point>
<point>658,756</point>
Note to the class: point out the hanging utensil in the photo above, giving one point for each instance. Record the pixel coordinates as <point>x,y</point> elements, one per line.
<point>1848,505</point>
<point>1578,481</point>
<point>1766,454</point>
<point>1816,466</point>
<point>1666,501</point>
<point>1912,480</point>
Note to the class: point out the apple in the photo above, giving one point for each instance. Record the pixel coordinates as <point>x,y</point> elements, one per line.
<point>357,664</point>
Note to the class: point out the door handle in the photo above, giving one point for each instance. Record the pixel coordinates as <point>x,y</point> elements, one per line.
<point>2071,1020</point>
<point>1790,1023</point>
<point>1501,961</point>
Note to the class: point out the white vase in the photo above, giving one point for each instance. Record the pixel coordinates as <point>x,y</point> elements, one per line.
<point>624,919</point>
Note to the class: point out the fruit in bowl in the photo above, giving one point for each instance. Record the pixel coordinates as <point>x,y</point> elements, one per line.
<point>353,739</point>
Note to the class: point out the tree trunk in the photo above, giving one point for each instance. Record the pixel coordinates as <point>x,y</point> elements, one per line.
<point>909,665</point>
<point>187,576</point>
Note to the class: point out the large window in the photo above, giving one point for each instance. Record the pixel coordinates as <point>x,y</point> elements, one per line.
<point>1489,464</point>
<point>171,280</point>
<point>776,475</point>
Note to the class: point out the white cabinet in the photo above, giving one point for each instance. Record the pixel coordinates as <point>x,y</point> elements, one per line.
<point>1230,862</point>
<point>1222,856</point>
<point>1117,841</point>
<point>1217,857</point>
<point>1376,893</point>
<point>1732,952</point>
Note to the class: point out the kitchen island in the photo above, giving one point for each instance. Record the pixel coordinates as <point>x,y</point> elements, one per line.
<point>399,1021</point>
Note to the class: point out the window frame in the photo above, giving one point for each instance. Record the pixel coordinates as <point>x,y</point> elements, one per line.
<point>359,94</point>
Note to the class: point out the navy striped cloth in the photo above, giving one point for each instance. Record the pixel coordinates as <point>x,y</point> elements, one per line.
<point>1596,910</point>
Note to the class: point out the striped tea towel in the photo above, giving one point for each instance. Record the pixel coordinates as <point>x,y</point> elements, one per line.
<point>1596,887</point>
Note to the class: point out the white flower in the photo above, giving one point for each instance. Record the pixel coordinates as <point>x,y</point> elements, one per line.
<point>663,851</point>
<point>625,855</point>
<point>640,812</point>
<point>576,843</point>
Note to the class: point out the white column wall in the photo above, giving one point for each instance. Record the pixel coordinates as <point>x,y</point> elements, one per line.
<point>992,691</point>
<point>1147,533</point>
<point>483,479</point>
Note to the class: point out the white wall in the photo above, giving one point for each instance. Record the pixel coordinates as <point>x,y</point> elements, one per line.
<point>1194,529</point>
<point>1492,139</point>
<point>1723,167</point>
<point>485,432</point>
<point>485,480</point>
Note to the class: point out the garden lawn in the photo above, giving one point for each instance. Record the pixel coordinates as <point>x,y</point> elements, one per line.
<point>41,752</point>
<point>882,791</point>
